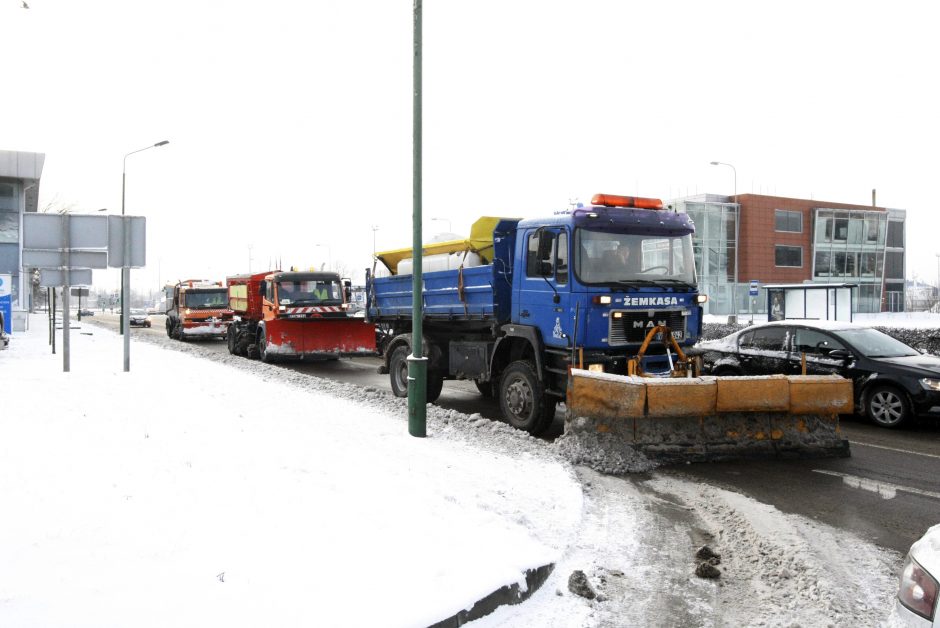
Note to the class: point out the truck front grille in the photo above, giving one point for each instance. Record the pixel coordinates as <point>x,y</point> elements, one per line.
<point>632,326</point>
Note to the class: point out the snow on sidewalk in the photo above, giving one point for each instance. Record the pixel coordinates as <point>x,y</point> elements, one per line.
<point>187,493</point>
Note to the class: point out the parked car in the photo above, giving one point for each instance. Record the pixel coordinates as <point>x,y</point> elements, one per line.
<point>893,382</point>
<point>139,318</point>
<point>86,312</point>
<point>918,587</point>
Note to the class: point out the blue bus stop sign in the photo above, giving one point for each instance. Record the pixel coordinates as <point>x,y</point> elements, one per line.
<point>6,302</point>
<point>754,288</point>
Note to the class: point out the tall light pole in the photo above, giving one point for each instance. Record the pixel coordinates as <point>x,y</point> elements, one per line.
<point>938,281</point>
<point>737,235</point>
<point>447,220</point>
<point>329,254</point>
<point>125,270</point>
<point>374,229</point>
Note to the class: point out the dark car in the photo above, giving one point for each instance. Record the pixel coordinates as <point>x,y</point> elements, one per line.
<point>139,318</point>
<point>893,382</point>
<point>86,312</point>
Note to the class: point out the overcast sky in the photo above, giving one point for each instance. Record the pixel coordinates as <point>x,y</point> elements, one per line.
<point>290,122</point>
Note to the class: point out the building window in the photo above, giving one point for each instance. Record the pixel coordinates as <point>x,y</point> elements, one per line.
<point>788,221</point>
<point>894,265</point>
<point>895,234</point>
<point>791,256</point>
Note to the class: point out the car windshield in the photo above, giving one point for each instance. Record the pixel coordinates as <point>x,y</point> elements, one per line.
<point>873,344</point>
<point>309,292</point>
<point>605,257</point>
<point>139,312</point>
<point>207,299</point>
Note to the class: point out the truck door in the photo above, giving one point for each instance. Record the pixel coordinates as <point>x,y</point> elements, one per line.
<point>545,291</point>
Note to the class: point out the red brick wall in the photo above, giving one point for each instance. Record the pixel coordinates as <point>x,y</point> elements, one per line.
<point>758,237</point>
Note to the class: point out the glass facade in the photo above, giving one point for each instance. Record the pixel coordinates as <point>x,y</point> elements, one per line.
<point>10,234</point>
<point>849,246</point>
<point>714,246</point>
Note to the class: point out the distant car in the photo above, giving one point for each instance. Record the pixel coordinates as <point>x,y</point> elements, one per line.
<point>139,318</point>
<point>918,587</point>
<point>893,382</point>
<point>86,312</point>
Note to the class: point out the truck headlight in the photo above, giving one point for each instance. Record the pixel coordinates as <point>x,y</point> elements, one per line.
<point>701,298</point>
<point>929,383</point>
<point>917,589</point>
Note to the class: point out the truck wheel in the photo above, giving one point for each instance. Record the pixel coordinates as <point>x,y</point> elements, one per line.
<point>435,386</point>
<point>263,353</point>
<point>251,351</point>
<point>523,400</point>
<point>485,388</point>
<point>398,371</point>
<point>231,343</point>
<point>169,329</point>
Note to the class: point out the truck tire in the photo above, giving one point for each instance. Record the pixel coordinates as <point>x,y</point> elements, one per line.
<point>263,354</point>
<point>486,388</point>
<point>251,351</point>
<point>523,400</point>
<point>169,328</point>
<point>232,347</point>
<point>398,371</point>
<point>435,386</point>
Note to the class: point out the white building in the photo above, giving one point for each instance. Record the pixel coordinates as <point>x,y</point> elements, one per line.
<point>19,193</point>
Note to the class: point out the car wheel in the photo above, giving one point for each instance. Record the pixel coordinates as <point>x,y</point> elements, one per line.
<point>523,400</point>
<point>726,371</point>
<point>887,406</point>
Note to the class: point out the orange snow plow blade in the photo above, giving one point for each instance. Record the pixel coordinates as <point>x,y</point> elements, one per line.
<point>340,337</point>
<point>708,418</point>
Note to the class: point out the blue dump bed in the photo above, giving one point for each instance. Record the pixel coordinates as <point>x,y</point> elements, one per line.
<point>466,294</point>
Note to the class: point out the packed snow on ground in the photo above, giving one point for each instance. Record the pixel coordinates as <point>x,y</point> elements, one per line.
<point>206,489</point>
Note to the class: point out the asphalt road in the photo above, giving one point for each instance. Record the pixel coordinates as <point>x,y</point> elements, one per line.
<point>887,492</point>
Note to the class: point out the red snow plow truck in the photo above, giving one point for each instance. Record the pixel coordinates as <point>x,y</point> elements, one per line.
<point>295,315</point>
<point>196,308</point>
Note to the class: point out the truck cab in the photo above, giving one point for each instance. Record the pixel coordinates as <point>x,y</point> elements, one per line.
<point>600,278</point>
<point>301,295</point>
<point>197,308</point>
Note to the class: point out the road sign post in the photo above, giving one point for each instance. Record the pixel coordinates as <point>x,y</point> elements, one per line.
<point>753,291</point>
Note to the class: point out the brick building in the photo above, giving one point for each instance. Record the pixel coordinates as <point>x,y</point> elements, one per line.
<point>790,240</point>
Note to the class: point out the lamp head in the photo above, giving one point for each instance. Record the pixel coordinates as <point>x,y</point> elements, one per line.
<point>714,163</point>
<point>163,143</point>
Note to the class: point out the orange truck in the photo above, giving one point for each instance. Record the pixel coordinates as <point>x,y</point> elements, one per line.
<point>197,308</point>
<point>295,315</point>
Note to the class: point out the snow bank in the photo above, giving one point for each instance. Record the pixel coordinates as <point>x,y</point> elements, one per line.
<point>187,493</point>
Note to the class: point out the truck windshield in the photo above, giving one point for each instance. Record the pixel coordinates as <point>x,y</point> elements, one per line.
<point>205,299</point>
<point>309,292</point>
<point>605,257</point>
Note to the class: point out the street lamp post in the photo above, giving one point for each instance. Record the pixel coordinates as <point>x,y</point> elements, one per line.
<point>737,235</point>
<point>125,270</point>
<point>329,254</point>
<point>938,282</point>
<point>374,229</point>
<point>447,220</point>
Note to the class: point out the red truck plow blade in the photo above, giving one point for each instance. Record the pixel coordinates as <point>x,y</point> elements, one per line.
<point>322,338</point>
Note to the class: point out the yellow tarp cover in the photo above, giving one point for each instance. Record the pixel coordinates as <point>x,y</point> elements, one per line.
<point>480,242</point>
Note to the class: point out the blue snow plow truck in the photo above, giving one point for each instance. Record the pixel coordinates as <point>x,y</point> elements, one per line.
<point>520,302</point>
